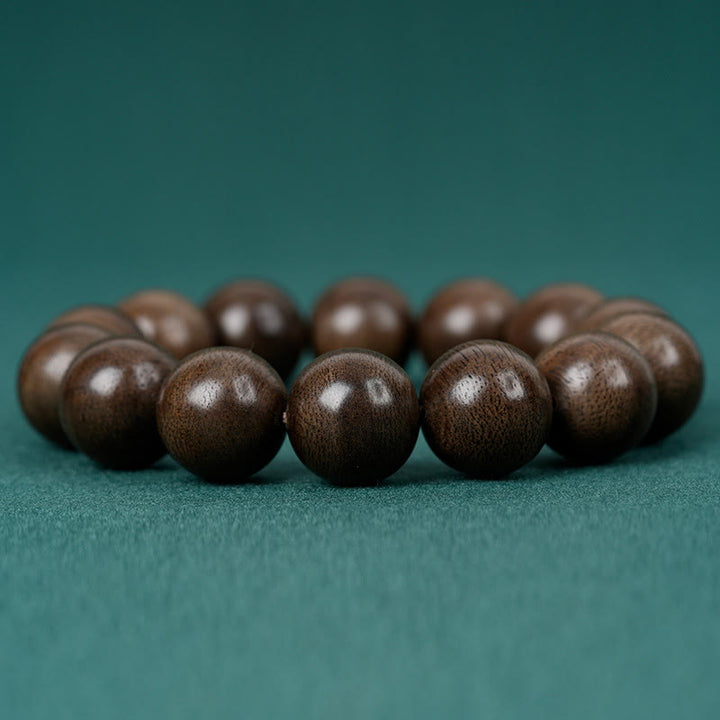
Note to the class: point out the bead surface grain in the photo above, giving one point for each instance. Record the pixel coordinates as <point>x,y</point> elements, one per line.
<point>108,401</point>
<point>42,370</point>
<point>676,363</point>
<point>615,307</point>
<point>170,320</point>
<point>471,309</point>
<point>486,410</point>
<point>548,315</point>
<point>363,313</point>
<point>104,316</point>
<point>260,317</point>
<point>220,414</point>
<point>604,396</point>
<point>353,417</point>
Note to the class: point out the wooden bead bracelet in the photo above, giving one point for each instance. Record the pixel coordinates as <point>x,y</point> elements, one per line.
<point>589,376</point>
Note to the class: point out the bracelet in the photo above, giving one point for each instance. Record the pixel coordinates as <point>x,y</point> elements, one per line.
<point>592,377</point>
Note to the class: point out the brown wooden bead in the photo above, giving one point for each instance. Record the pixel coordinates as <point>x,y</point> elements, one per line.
<point>42,370</point>
<point>353,417</point>
<point>220,414</point>
<point>108,401</point>
<point>363,313</point>
<point>596,317</point>
<point>472,309</point>
<point>548,315</point>
<point>170,320</point>
<point>676,363</point>
<point>260,317</point>
<point>604,396</point>
<point>486,410</point>
<point>103,316</point>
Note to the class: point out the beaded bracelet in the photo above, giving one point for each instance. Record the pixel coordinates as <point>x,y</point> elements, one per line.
<point>589,376</point>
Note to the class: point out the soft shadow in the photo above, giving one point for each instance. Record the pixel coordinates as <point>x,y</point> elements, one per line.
<point>279,472</point>
<point>164,465</point>
<point>257,480</point>
<point>423,471</point>
<point>643,455</point>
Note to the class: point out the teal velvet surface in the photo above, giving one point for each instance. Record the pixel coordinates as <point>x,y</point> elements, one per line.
<point>179,145</point>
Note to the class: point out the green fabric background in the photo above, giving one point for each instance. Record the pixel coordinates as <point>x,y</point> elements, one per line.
<point>179,144</point>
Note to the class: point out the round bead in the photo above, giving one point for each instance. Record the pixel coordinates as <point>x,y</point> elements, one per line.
<point>103,316</point>
<point>353,417</point>
<point>548,315</point>
<point>486,410</point>
<point>108,401</point>
<point>676,364</point>
<point>465,310</point>
<point>363,313</point>
<point>170,320</point>
<point>604,396</point>
<point>42,370</point>
<point>220,414</point>
<point>612,308</point>
<point>260,317</point>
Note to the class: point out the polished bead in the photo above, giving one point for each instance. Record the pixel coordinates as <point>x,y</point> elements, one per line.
<point>220,414</point>
<point>108,401</point>
<point>42,370</point>
<point>353,417</point>
<point>260,317</point>
<point>363,313</point>
<point>676,363</point>
<point>104,316</point>
<point>548,315</point>
<point>486,410</point>
<point>606,310</point>
<point>170,320</point>
<point>472,309</point>
<point>604,396</point>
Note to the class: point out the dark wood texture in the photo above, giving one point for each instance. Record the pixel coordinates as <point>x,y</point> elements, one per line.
<point>604,396</point>
<point>548,315</point>
<point>170,320</point>
<point>260,317</point>
<point>612,308</point>
<point>363,313</point>
<point>42,370</point>
<point>108,401</point>
<point>220,414</point>
<point>353,417</point>
<point>104,316</point>
<point>486,410</point>
<point>472,309</point>
<point>676,362</point>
